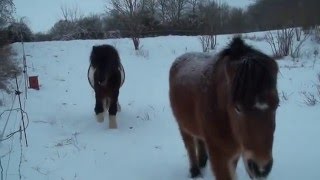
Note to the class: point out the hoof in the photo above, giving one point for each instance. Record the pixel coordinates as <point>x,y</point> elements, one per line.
<point>203,162</point>
<point>100,117</point>
<point>113,122</point>
<point>195,172</point>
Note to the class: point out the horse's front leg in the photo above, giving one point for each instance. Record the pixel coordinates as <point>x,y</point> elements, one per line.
<point>98,109</point>
<point>113,109</point>
<point>223,163</point>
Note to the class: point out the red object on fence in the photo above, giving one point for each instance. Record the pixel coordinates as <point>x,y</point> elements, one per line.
<point>34,83</point>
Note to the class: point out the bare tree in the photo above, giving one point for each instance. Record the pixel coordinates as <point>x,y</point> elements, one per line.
<point>175,10</point>
<point>131,13</point>
<point>193,4</point>
<point>71,14</point>
<point>163,10</point>
<point>171,10</point>
<point>151,6</point>
<point>6,10</point>
<point>68,27</point>
<point>210,15</point>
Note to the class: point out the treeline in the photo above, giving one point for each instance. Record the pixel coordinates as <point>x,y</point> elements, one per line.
<point>8,68</point>
<point>141,18</point>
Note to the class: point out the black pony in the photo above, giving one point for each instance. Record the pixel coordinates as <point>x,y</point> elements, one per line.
<point>106,76</point>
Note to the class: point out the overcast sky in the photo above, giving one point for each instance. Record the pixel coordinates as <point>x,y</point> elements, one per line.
<point>42,14</point>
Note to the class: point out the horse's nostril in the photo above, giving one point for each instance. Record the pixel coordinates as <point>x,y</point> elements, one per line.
<point>101,80</point>
<point>260,171</point>
<point>268,167</point>
<point>252,166</point>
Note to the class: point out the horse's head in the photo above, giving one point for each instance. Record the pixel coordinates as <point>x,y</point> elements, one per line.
<point>252,104</point>
<point>105,61</point>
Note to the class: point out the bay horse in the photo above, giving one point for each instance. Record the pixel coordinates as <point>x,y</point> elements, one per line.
<point>106,75</point>
<point>225,107</point>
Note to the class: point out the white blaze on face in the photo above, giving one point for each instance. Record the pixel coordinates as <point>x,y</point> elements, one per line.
<point>261,105</point>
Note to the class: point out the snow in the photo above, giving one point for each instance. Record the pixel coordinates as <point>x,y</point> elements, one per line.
<point>66,141</point>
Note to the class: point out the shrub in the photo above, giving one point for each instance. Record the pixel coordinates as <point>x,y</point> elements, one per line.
<point>280,42</point>
<point>15,30</point>
<point>8,68</point>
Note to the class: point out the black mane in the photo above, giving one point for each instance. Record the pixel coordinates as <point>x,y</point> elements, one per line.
<point>255,71</point>
<point>104,54</point>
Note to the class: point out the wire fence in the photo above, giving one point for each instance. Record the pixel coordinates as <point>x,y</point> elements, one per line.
<point>15,121</point>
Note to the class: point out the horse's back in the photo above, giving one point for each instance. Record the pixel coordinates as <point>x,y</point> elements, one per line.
<point>186,83</point>
<point>188,69</point>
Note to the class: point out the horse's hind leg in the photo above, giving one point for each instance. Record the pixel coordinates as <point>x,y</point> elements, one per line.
<point>98,109</point>
<point>202,153</point>
<point>113,111</point>
<point>118,106</point>
<point>190,145</point>
<point>107,103</point>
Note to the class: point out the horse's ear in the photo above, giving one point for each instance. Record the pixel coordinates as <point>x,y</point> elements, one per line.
<point>237,47</point>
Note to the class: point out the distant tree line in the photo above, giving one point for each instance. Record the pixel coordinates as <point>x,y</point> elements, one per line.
<point>142,18</point>
<point>8,68</point>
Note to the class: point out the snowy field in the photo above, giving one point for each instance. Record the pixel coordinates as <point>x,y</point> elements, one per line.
<point>66,142</point>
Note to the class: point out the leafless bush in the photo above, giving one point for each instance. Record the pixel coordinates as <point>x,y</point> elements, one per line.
<point>298,33</point>
<point>213,41</point>
<point>281,42</point>
<point>317,34</point>
<point>315,53</point>
<point>318,85</point>
<point>205,43</point>
<point>2,100</point>
<point>309,99</point>
<point>295,52</point>
<point>8,68</point>
<point>284,96</point>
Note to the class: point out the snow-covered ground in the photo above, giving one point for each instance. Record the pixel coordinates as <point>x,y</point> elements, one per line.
<point>66,142</point>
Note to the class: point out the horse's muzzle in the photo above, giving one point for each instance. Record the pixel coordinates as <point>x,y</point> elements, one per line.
<point>257,171</point>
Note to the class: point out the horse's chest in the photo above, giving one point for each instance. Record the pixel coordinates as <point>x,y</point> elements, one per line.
<point>92,70</point>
